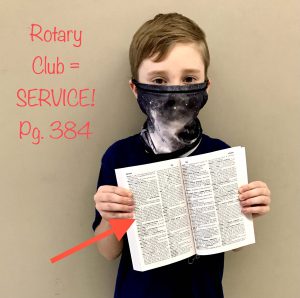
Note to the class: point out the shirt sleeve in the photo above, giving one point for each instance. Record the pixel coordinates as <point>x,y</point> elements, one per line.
<point>106,177</point>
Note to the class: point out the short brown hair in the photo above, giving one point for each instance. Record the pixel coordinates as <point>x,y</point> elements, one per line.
<point>157,36</point>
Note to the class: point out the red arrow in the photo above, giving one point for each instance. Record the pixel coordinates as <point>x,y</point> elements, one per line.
<point>119,228</point>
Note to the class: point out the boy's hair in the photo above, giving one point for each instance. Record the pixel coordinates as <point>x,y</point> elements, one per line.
<point>157,36</point>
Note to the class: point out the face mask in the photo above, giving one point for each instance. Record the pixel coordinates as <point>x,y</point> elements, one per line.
<point>172,122</point>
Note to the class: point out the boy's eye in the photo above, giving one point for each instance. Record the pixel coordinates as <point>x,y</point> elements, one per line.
<point>189,79</point>
<point>158,81</point>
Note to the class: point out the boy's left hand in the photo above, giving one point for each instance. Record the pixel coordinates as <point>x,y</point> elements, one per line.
<point>255,198</point>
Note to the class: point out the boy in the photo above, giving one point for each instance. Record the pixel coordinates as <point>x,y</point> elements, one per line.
<point>169,59</point>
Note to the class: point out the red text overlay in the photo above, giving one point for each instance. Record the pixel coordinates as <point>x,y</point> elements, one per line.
<point>36,98</point>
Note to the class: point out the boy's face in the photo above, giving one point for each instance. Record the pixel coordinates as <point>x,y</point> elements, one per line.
<point>182,66</point>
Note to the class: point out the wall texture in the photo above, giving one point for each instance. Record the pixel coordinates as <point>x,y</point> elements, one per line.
<point>47,189</point>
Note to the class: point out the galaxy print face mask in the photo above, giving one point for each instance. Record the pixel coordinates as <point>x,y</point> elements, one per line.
<point>172,122</point>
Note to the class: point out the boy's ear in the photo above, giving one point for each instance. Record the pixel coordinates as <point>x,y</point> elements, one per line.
<point>208,85</point>
<point>133,88</point>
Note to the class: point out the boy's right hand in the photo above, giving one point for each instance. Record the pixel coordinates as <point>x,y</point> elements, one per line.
<point>114,202</point>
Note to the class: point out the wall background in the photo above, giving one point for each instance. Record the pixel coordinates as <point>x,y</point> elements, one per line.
<point>47,189</point>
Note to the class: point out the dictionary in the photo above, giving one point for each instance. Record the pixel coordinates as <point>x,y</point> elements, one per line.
<point>187,206</point>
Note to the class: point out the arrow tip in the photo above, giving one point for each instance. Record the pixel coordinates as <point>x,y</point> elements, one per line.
<point>120,226</point>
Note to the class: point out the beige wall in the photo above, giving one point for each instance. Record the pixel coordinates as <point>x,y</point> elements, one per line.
<point>47,189</point>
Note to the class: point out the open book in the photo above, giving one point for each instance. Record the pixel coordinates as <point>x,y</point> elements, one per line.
<point>187,206</point>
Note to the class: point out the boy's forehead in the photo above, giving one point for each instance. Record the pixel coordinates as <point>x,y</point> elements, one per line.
<point>181,57</point>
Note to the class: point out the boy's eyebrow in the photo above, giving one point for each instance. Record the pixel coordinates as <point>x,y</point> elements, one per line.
<point>192,70</point>
<point>157,72</point>
<point>162,72</point>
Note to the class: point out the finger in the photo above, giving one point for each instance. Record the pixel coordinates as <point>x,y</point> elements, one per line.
<point>260,200</point>
<point>252,185</point>
<point>114,207</point>
<point>261,191</point>
<point>258,210</point>
<point>113,198</point>
<point>110,215</point>
<point>115,189</point>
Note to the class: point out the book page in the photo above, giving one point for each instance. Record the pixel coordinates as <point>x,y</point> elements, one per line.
<point>161,233</point>
<point>211,186</point>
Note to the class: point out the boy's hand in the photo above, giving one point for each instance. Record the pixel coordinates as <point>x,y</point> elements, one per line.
<point>255,198</point>
<point>114,202</point>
